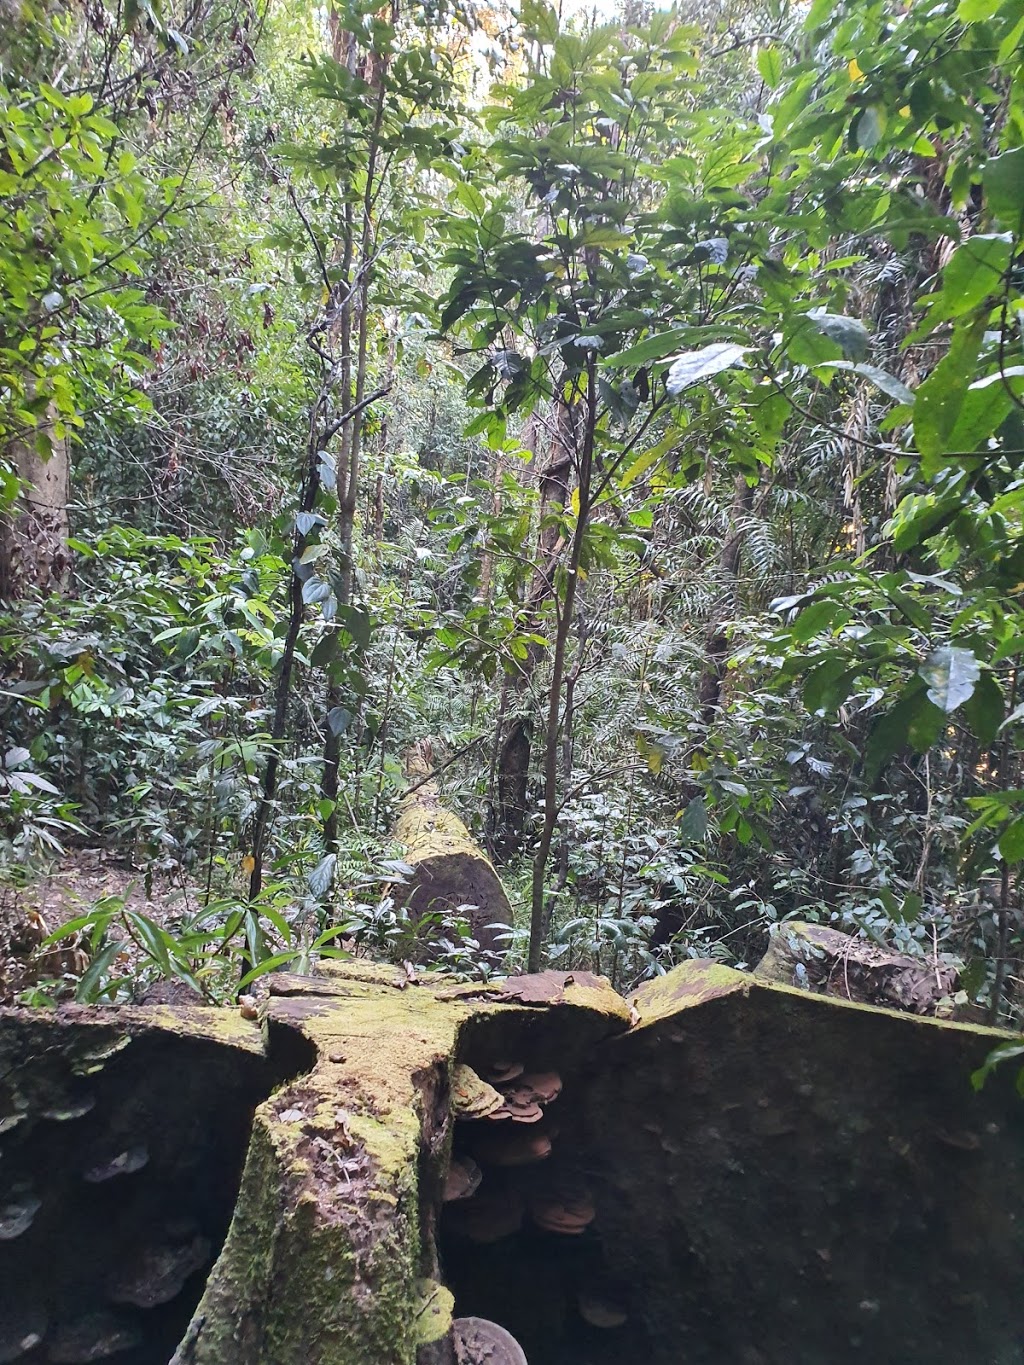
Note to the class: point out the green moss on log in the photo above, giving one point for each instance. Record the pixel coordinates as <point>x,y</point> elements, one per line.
<point>449,870</point>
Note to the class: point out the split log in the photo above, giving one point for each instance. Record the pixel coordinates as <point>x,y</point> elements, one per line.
<point>709,1172</point>
<point>814,957</point>
<point>452,878</point>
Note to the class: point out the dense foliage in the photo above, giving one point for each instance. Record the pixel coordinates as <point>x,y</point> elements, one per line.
<point>633,407</point>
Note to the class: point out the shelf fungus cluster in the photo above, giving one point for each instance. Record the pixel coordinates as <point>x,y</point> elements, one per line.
<point>505,1129</point>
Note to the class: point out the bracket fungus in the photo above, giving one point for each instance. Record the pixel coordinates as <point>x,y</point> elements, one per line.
<point>96,1336</point>
<point>569,1211</point>
<point>473,1098</point>
<point>599,1311</point>
<point>511,1148</point>
<point>492,1214</point>
<point>479,1342</point>
<point>462,1180</point>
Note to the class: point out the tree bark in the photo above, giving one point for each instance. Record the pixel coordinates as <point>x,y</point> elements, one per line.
<point>716,645</point>
<point>34,555</point>
<point>508,821</point>
<point>451,875</point>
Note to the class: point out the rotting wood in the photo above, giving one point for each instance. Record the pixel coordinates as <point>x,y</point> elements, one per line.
<point>452,878</point>
<point>815,957</point>
<point>707,1173</point>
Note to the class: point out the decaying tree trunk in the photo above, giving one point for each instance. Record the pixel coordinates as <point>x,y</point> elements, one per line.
<point>34,556</point>
<point>530,1169</point>
<point>452,878</point>
<point>817,958</point>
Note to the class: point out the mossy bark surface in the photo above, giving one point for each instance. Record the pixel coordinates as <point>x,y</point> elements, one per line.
<point>815,957</point>
<point>449,871</point>
<point>786,1177</point>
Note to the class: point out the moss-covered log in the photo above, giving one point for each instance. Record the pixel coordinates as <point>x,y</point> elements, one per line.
<point>722,1169</point>
<point>452,878</point>
<point>815,957</point>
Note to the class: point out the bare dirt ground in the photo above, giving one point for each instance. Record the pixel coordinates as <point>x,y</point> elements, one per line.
<point>72,885</point>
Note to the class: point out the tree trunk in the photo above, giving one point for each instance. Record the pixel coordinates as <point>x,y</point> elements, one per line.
<point>508,821</point>
<point>34,555</point>
<point>716,646</point>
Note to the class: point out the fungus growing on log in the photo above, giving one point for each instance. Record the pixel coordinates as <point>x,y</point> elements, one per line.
<point>451,876</point>
<point>730,1142</point>
<point>511,1147</point>
<point>491,1215</point>
<point>600,1312</point>
<point>96,1336</point>
<point>463,1179</point>
<point>568,1211</point>
<point>500,1072</point>
<point>479,1342</point>
<point>473,1098</point>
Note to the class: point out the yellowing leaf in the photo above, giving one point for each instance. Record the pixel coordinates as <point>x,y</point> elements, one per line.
<point>905,111</point>
<point>856,74</point>
<point>248,863</point>
<point>574,502</point>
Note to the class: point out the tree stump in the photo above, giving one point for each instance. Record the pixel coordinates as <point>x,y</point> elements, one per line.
<point>452,878</point>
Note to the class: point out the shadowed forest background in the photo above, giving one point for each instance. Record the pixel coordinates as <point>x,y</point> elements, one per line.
<point>629,403</point>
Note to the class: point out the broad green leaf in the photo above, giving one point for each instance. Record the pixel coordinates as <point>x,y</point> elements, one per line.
<point>984,709</point>
<point>974,273</point>
<point>694,366</point>
<point>1003,183</point>
<point>694,824</point>
<point>987,403</point>
<point>849,333</point>
<point>976,11</point>
<point>338,720</point>
<point>951,674</point>
<point>890,732</point>
<point>867,128</point>
<point>817,617</point>
<point>940,398</point>
<point>769,65</point>
<point>882,379</point>
<point>1011,842</point>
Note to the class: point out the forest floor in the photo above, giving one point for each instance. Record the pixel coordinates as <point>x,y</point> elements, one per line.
<point>74,883</point>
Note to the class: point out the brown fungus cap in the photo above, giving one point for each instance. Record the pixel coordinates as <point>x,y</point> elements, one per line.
<point>463,1179</point>
<point>473,1098</point>
<point>479,1342</point>
<point>500,1073</point>
<point>568,1211</point>
<point>512,1147</point>
<point>519,1109</point>
<point>540,1086</point>
<point>488,1217</point>
<point>600,1312</point>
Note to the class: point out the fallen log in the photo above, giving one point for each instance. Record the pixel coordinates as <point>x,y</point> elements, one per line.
<point>744,1172</point>
<point>452,879</point>
<point>816,958</point>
